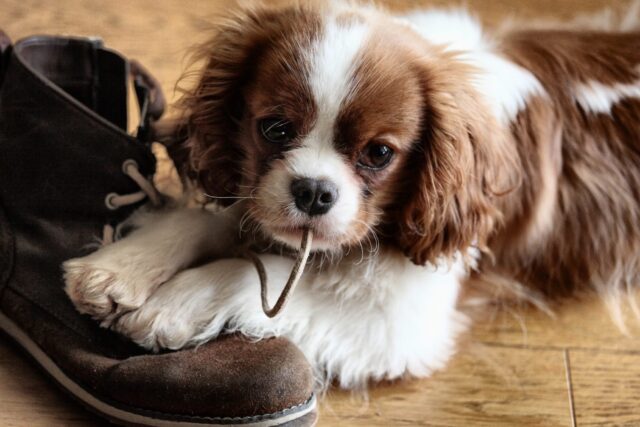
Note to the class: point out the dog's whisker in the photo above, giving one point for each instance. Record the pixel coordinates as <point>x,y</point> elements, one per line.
<point>209,196</point>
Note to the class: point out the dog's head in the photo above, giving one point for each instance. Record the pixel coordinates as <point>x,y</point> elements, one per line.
<point>344,120</point>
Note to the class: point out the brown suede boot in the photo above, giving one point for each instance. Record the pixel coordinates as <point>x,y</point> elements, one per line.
<point>62,149</point>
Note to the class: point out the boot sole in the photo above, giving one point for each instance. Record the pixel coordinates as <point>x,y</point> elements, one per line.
<point>301,415</point>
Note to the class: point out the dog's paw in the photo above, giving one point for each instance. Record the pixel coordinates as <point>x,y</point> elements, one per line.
<point>155,329</point>
<point>105,288</point>
<point>188,309</point>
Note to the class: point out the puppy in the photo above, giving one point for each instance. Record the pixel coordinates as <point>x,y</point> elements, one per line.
<point>417,148</point>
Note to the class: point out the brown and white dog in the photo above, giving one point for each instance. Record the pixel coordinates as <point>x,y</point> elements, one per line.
<point>418,148</point>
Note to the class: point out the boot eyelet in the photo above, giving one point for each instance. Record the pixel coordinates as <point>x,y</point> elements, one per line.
<point>108,201</point>
<point>128,163</point>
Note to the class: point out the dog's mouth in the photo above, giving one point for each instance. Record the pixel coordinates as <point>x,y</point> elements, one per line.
<point>292,236</point>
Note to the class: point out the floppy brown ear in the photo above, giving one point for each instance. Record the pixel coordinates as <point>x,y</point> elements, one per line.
<point>214,107</point>
<point>456,172</point>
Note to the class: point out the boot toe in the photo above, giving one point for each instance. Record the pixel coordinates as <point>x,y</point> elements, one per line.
<point>231,380</point>
<point>231,377</point>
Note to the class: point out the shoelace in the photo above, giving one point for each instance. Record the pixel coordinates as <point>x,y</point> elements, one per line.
<point>294,276</point>
<point>115,201</point>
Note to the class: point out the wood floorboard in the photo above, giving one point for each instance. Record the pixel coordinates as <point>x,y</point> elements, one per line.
<point>510,371</point>
<point>584,324</point>
<point>483,386</point>
<point>29,398</point>
<point>606,388</point>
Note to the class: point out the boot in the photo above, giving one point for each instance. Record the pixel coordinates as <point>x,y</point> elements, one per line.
<point>69,174</point>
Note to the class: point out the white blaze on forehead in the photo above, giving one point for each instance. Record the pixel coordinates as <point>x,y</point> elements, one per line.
<point>333,60</point>
<point>333,63</point>
<point>331,75</point>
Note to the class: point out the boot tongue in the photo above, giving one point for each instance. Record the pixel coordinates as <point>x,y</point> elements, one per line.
<point>82,68</point>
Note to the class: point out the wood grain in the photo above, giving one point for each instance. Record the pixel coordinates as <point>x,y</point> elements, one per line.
<point>511,369</point>
<point>606,388</point>
<point>28,398</point>
<point>483,386</point>
<point>578,324</point>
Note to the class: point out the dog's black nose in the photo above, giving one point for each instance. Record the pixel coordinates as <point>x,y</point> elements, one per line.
<point>314,196</point>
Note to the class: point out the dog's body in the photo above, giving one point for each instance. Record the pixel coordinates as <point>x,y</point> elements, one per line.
<point>420,133</point>
<point>349,317</point>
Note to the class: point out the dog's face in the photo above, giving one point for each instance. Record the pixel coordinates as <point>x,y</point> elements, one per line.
<point>325,129</point>
<point>346,122</point>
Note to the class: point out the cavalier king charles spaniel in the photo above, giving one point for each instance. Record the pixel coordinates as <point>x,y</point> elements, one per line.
<point>420,149</point>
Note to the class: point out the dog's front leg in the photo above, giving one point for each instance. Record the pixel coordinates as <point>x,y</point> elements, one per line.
<point>199,303</point>
<point>121,276</point>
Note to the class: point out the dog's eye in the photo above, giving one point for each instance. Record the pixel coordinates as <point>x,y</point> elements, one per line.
<point>375,156</point>
<point>276,130</point>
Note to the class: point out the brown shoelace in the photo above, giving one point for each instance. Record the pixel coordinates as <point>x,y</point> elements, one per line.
<point>294,276</point>
<point>115,201</point>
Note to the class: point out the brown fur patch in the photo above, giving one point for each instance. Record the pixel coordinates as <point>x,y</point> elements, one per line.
<point>253,52</point>
<point>594,234</point>
<point>448,197</point>
<point>559,58</point>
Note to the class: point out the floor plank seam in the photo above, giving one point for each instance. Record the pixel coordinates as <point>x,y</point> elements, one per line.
<point>561,348</point>
<point>567,369</point>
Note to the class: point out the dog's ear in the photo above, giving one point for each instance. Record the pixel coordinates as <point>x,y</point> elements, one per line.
<point>456,171</point>
<point>213,108</point>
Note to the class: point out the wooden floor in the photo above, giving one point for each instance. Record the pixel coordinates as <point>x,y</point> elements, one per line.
<point>520,368</point>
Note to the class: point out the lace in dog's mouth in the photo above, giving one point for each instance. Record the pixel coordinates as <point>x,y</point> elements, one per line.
<point>291,235</point>
<point>296,231</point>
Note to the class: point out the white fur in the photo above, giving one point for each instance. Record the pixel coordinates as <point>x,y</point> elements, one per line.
<point>544,209</point>
<point>596,97</point>
<point>331,66</point>
<point>506,86</point>
<point>455,29</point>
<point>120,277</point>
<point>357,320</point>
